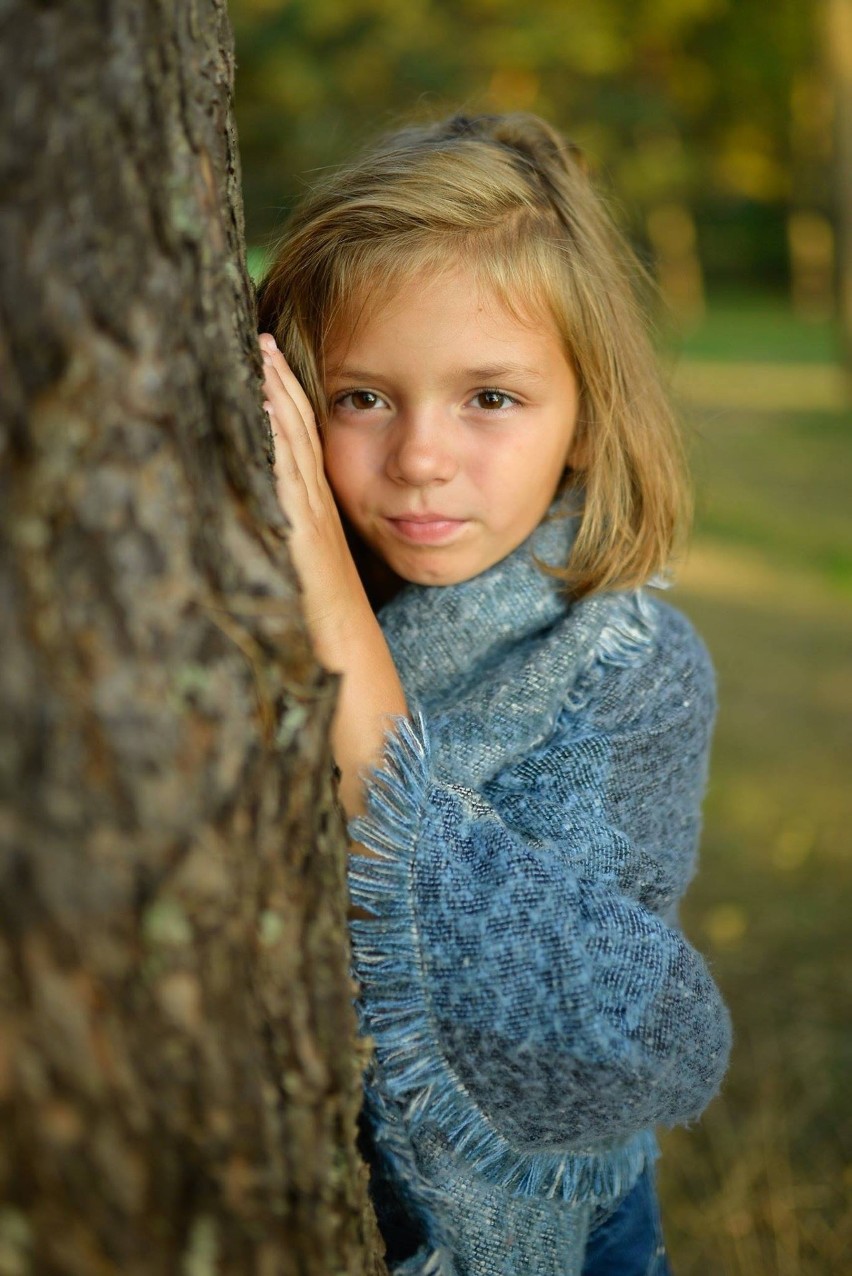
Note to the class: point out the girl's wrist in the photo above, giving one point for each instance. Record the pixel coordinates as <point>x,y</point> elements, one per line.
<point>340,631</point>
<point>369,698</point>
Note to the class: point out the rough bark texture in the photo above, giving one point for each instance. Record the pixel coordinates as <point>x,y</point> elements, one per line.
<point>178,1071</point>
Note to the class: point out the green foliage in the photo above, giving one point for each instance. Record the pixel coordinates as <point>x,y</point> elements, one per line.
<point>672,99</point>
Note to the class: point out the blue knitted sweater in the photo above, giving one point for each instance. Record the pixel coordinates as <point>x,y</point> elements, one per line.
<point>535,1008</point>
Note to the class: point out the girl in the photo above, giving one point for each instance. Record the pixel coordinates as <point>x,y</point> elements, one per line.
<point>481,474</point>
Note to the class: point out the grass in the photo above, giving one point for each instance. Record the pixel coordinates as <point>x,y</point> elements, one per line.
<point>761,1185</point>
<point>779,484</point>
<point>758,1187</point>
<point>756,329</point>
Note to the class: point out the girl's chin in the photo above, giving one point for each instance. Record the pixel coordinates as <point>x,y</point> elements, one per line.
<point>432,569</point>
<point>385,565</point>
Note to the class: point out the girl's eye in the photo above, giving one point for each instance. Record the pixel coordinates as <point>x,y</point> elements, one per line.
<point>360,400</point>
<point>493,400</point>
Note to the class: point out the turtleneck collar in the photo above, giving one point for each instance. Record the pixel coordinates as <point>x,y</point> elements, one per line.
<point>442,636</point>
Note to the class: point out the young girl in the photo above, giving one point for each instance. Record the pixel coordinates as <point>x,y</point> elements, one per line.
<point>481,474</point>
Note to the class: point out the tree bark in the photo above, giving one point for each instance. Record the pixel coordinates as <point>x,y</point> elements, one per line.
<point>179,1074</point>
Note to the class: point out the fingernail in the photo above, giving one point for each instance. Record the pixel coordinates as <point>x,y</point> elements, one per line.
<point>268,341</point>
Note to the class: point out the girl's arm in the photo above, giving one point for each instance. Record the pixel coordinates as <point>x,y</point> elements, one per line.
<point>346,635</point>
<point>370,696</point>
<point>525,989</point>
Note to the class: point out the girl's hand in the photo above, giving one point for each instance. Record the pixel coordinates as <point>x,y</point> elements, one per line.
<point>331,586</point>
<point>346,634</point>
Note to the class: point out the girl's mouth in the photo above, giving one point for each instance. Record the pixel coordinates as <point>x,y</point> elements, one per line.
<point>426,529</point>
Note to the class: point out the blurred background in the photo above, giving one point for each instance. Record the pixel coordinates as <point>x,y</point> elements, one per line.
<point>722,133</point>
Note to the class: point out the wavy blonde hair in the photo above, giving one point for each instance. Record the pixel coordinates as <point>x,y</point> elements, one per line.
<point>510,198</point>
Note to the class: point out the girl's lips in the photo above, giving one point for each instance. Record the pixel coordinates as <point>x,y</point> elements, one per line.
<point>431,531</point>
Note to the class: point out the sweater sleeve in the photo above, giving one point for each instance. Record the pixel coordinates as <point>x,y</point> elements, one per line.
<point>525,994</point>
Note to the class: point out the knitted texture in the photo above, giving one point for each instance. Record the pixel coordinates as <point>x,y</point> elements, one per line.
<point>535,1009</point>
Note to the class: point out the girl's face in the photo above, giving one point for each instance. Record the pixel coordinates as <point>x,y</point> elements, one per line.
<point>450,424</point>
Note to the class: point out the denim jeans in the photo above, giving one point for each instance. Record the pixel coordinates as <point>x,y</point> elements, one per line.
<point>630,1241</point>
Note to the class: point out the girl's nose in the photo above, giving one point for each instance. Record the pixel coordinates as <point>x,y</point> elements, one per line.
<point>422,449</point>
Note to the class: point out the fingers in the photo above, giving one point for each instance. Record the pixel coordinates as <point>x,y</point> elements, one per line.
<point>292,383</point>
<point>291,405</point>
<point>290,485</point>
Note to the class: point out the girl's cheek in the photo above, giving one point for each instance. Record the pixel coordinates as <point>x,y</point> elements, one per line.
<point>344,469</point>
<point>349,452</point>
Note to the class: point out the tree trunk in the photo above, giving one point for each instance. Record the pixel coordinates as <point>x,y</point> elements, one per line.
<point>179,1075</point>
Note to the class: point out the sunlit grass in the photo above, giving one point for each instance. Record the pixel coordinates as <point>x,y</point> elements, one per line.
<point>778,483</point>
<point>760,1187</point>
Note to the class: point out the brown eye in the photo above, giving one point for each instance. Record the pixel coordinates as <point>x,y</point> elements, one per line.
<point>360,400</point>
<point>493,400</point>
<point>364,399</point>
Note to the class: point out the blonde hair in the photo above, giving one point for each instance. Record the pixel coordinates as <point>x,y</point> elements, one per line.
<point>511,198</point>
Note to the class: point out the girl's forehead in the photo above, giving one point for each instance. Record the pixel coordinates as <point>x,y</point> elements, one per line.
<point>443,329</point>
<point>381,303</point>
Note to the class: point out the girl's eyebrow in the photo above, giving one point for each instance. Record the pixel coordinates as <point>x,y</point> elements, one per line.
<point>353,374</point>
<point>492,372</point>
<point>495,371</point>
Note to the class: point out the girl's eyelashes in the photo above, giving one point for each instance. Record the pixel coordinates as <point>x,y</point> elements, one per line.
<point>359,400</point>
<point>489,399</point>
<point>494,400</point>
